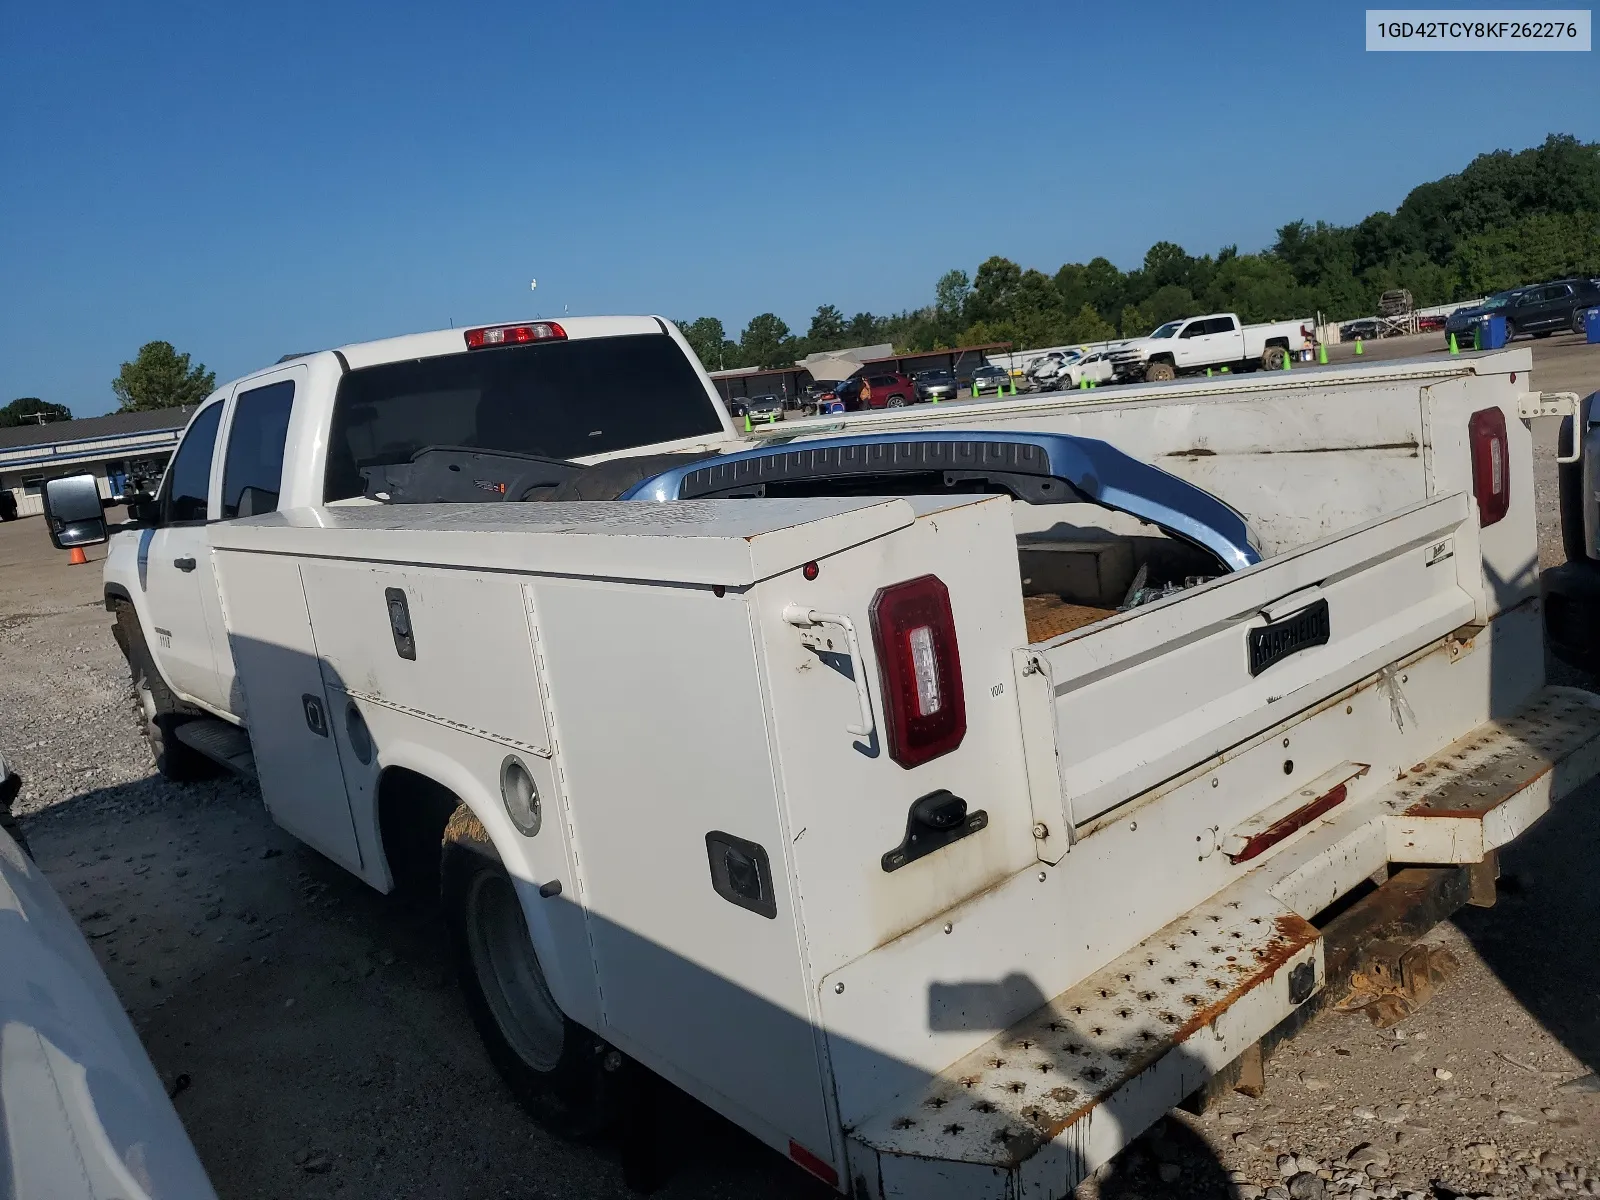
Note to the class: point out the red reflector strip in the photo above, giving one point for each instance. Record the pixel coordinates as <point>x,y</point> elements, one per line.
<point>1294,812</point>
<point>813,1164</point>
<point>512,335</point>
<point>1289,823</point>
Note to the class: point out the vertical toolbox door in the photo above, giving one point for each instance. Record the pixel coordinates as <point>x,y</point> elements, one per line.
<point>291,721</point>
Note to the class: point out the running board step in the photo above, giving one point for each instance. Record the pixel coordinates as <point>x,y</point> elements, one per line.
<point>224,744</point>
<point>1040,1106</point>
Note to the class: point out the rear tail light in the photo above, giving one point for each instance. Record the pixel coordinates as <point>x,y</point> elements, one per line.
<point>925,709</point>
<point>1491,464</point>
<point>512,335</point>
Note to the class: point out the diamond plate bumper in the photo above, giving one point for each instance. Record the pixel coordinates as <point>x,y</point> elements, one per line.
<point>1485,789</point>
<point>1038,1107</point>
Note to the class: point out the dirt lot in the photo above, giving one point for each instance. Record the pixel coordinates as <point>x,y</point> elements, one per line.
<point>328,1054</point>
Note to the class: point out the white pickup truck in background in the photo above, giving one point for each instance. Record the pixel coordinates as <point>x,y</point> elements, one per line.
<point>1216,340</point>
<point>940,804</point>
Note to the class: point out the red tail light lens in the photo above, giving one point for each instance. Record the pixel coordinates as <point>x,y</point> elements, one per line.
<point>1491,464</point>
<point>925,709</point>
<point>512,335</point>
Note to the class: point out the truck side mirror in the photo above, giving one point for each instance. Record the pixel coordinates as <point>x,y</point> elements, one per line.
<point>73,513</point>
<point>143,509</point>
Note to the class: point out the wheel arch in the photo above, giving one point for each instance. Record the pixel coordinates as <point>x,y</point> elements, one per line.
<point>417,790</point>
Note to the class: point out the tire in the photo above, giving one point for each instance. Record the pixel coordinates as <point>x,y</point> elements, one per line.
<point>896,401</point>
<point>1272,358</point>
<point>160,712</point>
<point>564,1076</point>
<point>1511,329</point>
<point>1577,319</point>
<point>1159,372</point>
<point>609,480</point>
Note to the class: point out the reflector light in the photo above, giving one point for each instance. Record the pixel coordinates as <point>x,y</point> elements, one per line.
<point>926,669</point>
<point>1491,464</point>
<point>919,665</point>
<point>813,1163</point>
<point>512,335</point>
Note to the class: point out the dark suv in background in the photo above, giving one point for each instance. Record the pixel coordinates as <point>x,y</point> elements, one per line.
<point>1548,308</point>
<point>1539,309</point>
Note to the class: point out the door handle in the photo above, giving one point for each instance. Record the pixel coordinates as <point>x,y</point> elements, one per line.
<point>183,564</point>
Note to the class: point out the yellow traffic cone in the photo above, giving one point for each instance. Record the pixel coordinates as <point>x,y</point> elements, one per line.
<point>1322,353</point>
<point>1453,349</point>
<point>1358,346</point>
<point>747,420</point>
<point>1286,366</point>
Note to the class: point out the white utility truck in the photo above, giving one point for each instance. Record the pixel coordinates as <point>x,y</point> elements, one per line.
<point>1216,340</point>
<point>941,805</point>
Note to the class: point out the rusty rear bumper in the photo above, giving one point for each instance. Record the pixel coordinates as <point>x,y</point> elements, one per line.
<point>1044,1103</point>
<point>1041,1105</point>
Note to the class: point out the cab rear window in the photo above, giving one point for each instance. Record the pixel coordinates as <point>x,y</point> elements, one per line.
<point>566,400</point>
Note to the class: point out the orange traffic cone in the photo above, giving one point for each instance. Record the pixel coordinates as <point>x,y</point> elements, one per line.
<point>78,557</point>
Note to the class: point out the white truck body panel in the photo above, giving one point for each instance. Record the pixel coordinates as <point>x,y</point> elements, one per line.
<point>673,673</point>
<point>83,1113</point>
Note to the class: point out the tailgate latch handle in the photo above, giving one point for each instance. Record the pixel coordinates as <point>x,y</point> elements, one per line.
<point>809,619</point>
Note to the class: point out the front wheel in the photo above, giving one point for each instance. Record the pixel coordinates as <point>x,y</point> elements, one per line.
<point>1160,372</point>
<point>559,1071</point>
<point>1511,329</point>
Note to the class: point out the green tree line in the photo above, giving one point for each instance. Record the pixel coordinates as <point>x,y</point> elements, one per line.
<point>1508,218</point>
<point>157,377</point>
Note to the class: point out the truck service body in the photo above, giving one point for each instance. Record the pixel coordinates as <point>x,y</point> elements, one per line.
<point>803,796</point>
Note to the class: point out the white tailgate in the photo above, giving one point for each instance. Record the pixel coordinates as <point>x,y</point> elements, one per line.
<point>1144,696</point>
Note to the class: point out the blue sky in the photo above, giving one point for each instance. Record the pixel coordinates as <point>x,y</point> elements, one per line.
<point>246,180</point>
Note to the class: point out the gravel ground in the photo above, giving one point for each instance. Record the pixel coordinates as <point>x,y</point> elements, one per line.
<point>326,1052</point>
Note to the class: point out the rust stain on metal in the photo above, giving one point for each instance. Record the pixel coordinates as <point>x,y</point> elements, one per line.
<point>1203,452</point>
<point>1293,935</point>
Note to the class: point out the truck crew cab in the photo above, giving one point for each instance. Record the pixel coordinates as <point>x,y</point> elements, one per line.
<point>492,413</point>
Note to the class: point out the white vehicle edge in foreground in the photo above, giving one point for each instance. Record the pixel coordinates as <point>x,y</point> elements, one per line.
<point>82,1111</point>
